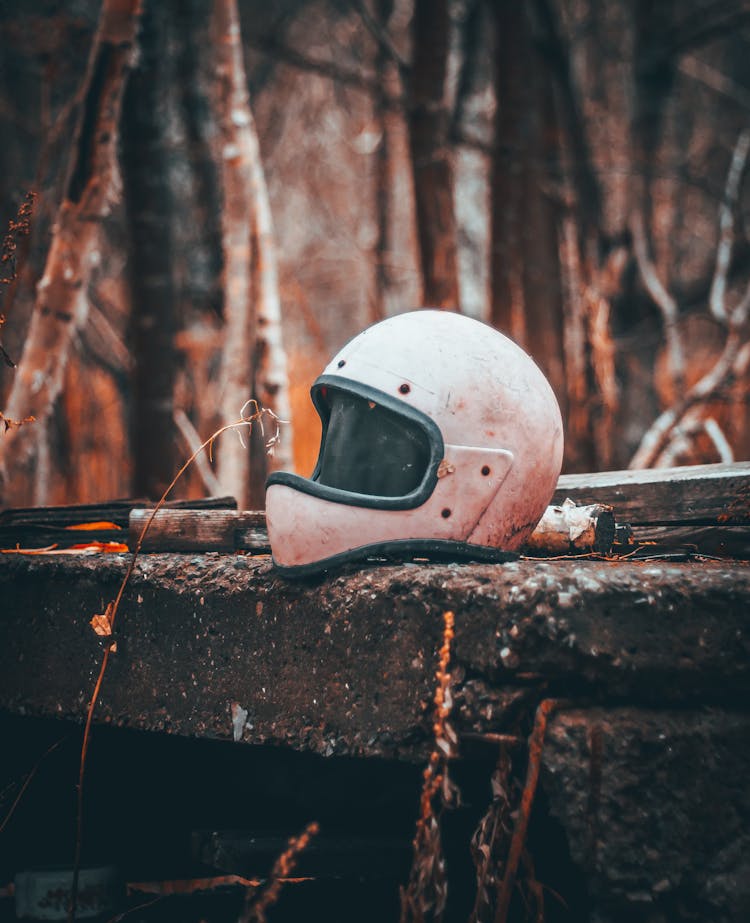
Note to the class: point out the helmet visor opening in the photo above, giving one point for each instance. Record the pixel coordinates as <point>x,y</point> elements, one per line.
<point>369,449</point>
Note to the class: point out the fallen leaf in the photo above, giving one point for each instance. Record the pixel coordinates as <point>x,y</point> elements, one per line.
<point>93,526</point>
<point>107,547</point>
<point>46,550</point>
<point>102,624</point>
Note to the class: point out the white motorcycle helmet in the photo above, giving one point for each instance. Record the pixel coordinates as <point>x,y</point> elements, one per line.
<point>441,439</point>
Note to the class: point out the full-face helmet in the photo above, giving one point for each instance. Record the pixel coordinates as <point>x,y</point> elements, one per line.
<point>441,437</point>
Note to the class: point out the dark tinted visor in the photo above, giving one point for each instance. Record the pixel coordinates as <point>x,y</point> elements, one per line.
<point>368,449</point>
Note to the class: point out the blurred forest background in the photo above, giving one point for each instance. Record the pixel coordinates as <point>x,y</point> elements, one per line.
<point>228,190</point>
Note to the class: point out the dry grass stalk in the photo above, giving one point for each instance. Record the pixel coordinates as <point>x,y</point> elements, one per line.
<point>489,844</point>
<point>256,904</point>
<point>20,227</point>
<point>27,781</point>
<point>103,624</point>
<point>426,891</point>
<point>518,840</point>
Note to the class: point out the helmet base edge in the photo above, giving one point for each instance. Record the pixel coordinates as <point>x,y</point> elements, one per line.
<point>401,551</point>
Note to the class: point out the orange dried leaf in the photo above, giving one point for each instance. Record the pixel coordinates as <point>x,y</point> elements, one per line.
<point>93,526</point>
<point>107,547</point>
<point>102,624</point>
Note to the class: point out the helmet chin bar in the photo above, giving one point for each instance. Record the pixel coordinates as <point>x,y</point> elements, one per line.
<point>471,475</point>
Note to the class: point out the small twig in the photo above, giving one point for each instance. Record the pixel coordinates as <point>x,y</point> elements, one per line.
<point>110,615</point>
<point>720,442</point>
<point>657,437</point>
<point>27,782</point>
<point>9,423</point>
<point>21,227</point>
<point>192,441</point>
<point>714,79</point>
<point>517,843</point>
<point>717,297</point>
<point>661,298</point>
<point>256,904</point>
<point>381,36</point>
<point>533,885</point>
<point>269,44</point>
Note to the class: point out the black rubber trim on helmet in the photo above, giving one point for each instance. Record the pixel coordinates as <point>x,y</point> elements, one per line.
<point>401,551</point>
<point>397,406</point>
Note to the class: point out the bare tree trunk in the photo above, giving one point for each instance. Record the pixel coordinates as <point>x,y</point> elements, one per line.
<point>148,126</point>
<point>383,168</point>
<point>526,299</point>
<point>254,361</point>
<point>508,212</point>
<point>91,184</point>
<point>271,374</point>
<point>234,155</point>
<point>432,169</point>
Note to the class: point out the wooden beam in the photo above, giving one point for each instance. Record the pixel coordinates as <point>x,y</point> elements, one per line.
<point>692,495</point>
<point>200,530</point>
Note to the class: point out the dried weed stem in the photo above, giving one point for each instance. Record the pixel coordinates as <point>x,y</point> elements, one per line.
<point>426,890</point>
<point>103,625</point>
<point>518,840</point>
<point>21,227</point>
<point>256,907</point>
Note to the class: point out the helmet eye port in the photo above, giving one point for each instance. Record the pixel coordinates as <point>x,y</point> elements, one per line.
<point>485,470</point>
<point>445,513</point>
<point>341,363</point>
<point>404,388</point>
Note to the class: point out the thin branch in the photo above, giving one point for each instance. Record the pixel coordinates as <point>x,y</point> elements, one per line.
<point>720,442</point>
<point>104,624</point>
<point>269,44</point>
<point>257,903</point>
<point>714,80</point>
<point>717,297</point>
<point>192,441</point>
<point>661,298</point>
<point>27,781</point>
<point>381,36</point>
<point>657,437</point>
<point>702,28</point>
<point>517,844</point>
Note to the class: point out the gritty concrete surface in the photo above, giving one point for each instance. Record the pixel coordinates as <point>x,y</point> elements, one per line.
<point>655,805</point>
<point>220,646</point>
<point>645,763</point>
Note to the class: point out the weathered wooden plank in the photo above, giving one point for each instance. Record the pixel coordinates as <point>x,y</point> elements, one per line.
<point>697,494</point>
<point>195,530</point>
<point>723,541</point>
<point>116,511</point>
